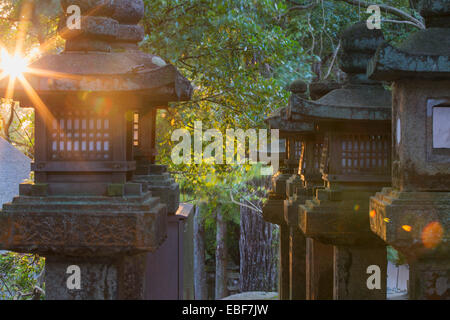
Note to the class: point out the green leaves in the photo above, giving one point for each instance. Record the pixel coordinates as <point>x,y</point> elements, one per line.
<point>20,276</point>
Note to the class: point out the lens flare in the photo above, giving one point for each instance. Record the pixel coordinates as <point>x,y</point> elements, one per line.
<point>432,234</point>
<point>13,66</point>
<point>406,228</point>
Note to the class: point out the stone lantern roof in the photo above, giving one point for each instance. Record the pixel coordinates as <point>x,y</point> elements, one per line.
<point>425,54</point>
<point>359,99</point>
<point>103,57</point>
<point>279,120</point>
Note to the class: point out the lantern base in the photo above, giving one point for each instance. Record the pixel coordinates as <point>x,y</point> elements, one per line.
<point>416,224</point>
<point>338,218</point>
<point>108,278</point>
<point>83,225</point>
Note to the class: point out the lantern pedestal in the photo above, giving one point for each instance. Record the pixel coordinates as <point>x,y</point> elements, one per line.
<point>273,213</point>
<point>297,250</point>
<point>415,224</point>
<point>332,218</point>
<point>102,278</point>
<point>104,236</point>
<point>319,270</point>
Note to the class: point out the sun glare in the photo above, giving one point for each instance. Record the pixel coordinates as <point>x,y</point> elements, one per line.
<point>12,65</point>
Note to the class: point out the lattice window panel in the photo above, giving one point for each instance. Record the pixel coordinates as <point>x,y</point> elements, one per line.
<point>80,135</point>
<point>362,153</point>
<point>298,149</point>
<point>317,155</point>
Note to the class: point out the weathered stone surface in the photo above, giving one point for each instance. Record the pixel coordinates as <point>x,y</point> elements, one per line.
<point>359,39</point>
<point>319,270</point>
<point>429,279</point>
<point>272,210</point>
<point>160,183</point>
<point>350,272</point>
<point>280,120</point>
<point>337,221</point>
<point>124,11</point>
<point>425,54</point>
<point>348,103</point>
<point>124,69</point>
<point>293,185</point>
<point>104,8</point>
<point>87,44</point>
<point>102,278</point>
<point>416,164</point>
<point>391,63</point>
<point>284,276</point>
<point>92,27</point>
<point>130,33</point>
<point>128,11</point>
<point>82,226</point>
<point>299,87</point>
<point>297,265</point>
<point>318,89</point>
<point>416,223</point>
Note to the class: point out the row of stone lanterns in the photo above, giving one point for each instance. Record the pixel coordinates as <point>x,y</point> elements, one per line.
<point>355,125</point>
<point>291,186</point>
<point>90,205</point>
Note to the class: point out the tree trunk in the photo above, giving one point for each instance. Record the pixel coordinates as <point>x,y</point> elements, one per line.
<point>221,256</point>
<point>258,253</point>
<point>200,288</point>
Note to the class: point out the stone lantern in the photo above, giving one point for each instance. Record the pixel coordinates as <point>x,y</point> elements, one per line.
<point>83,212</point>
<point>355,121</point>
<point>414,215</point>
<point>296,194</point>
<point>273,209</point>
<point>311,262</point>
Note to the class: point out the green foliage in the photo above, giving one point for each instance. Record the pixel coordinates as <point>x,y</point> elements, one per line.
<point>21,276</point>
<point>395,257</point>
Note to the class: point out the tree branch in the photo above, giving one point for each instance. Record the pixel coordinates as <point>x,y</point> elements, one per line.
<point>257,210</point>
<point>392,10</point>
